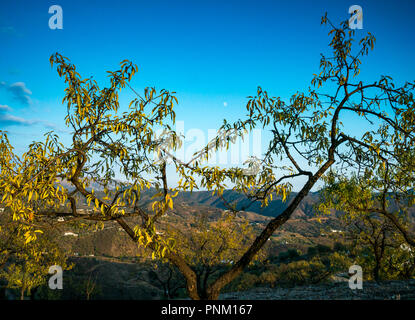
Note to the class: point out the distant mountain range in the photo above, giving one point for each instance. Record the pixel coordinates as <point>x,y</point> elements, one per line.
<point>274,208</point>
<point>300,231</point>
<point>306,209</point>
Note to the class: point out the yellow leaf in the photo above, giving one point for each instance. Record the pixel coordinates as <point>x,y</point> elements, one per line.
<point>170,203</point>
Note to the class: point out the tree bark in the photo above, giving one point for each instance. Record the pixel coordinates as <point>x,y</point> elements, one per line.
<point>214,290</point>
<point>179,262</point>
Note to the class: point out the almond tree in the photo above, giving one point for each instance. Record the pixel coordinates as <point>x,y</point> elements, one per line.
<point>51,180</point>
<point>211,247</point>
<point>309,132</point>
<point>376,219</point>
<point>27,265</point>
<point>314,133</point>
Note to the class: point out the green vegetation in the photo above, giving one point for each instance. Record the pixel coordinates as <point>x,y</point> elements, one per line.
<point>369,177</point>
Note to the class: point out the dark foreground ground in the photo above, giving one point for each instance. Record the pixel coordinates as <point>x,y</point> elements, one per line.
<point>386,290</point>
<point>104,279</point>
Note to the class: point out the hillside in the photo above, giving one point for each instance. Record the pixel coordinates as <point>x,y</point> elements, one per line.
<point>300,232</point>
<point>385,290</point>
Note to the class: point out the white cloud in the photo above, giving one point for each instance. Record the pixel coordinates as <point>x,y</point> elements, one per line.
<point>8,119</point>
<point>19,91</point>
<point>5,108</point>
<point>21,86</point>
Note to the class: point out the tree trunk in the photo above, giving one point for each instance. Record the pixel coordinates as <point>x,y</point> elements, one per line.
<point>214,290</point>
<point>376,272</point>
<point>179,262</point>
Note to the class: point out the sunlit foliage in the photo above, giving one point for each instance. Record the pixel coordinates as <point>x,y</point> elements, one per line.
<point>309,138</point>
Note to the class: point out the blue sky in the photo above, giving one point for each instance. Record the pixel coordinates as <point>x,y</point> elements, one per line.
<point>212,53</point>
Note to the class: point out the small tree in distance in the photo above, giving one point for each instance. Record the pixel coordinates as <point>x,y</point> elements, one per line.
<point>310,126</point>
<point>373,217</point>
<point>213,246</point>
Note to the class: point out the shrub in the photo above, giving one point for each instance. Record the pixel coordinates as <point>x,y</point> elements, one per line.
<point>289,255</point>
<point>322,249</point>
<point>339,247</point>
<point>268,278</point>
